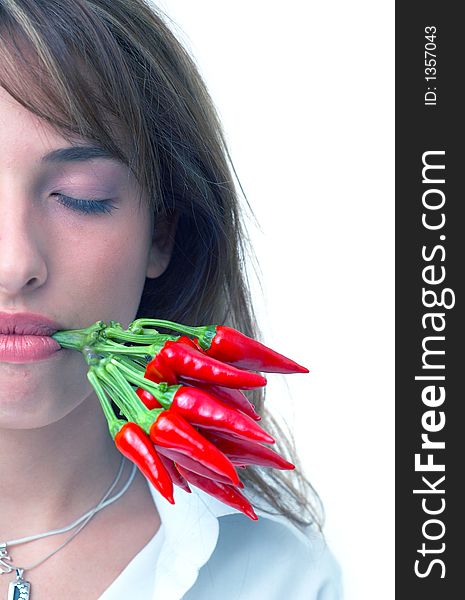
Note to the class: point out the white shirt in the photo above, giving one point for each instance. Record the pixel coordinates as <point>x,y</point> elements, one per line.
<point>206,550</point>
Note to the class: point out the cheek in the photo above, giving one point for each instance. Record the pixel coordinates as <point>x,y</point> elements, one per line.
<point>105,271</point>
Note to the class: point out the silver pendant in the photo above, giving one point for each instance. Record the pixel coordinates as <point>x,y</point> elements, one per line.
<point>19,589</point>
<point>4,558</point>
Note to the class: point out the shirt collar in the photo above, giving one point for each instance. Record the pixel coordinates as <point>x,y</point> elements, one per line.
<point>191,530</point>
<point>190,535</point>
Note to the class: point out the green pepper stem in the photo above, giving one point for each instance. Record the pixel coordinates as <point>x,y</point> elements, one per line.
<point>77,339</point>
<point>139,412</point>
<point>148,385</point>
<point>116,393</point>
<point>132,364</point>
<point>141,362</point>
<point>133,402</point>
<point>118,398</point>
<point>99,337</point>
<point>114,424</point>
<point>99,343</point>
<point>139,338</point>
<point>143,419</point>
<point>205,333</point>
<point>167,325</point>
<point>128,350</point>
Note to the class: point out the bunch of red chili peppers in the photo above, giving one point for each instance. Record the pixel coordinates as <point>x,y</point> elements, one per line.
<point>186,420</point>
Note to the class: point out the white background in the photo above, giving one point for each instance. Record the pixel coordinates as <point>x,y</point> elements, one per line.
<point>305,91</point>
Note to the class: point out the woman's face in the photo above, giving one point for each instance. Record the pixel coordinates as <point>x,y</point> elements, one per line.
<point>59,262</point>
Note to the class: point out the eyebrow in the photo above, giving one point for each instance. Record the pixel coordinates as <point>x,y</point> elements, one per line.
<point>77,154</point>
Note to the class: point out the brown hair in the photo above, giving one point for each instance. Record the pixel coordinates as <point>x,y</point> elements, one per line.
<point>112,72</point>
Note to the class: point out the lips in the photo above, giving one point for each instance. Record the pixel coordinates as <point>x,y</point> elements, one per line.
<point>27,324</point>
<point>25,337</point>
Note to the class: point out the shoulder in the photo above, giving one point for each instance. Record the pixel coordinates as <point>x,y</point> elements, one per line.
<point>269,558</point>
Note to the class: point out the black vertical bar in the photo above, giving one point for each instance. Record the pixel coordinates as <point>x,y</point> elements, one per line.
<point>430,270</point>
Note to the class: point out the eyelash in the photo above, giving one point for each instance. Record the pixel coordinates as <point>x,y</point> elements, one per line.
<point>87,206</point>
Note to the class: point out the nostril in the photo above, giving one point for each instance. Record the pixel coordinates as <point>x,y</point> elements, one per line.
<point>32,282</point>
<point>25,273</point>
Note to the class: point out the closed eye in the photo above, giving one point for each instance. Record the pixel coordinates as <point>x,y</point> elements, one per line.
<point>90,206</point>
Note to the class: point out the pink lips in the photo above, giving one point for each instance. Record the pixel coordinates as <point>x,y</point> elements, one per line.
<point>25,337</point>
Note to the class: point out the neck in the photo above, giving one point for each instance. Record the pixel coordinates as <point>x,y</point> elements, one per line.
<point>54,474</point>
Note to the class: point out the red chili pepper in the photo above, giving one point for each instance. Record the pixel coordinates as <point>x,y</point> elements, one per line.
<point>177,360</point>
<point>232,396</point>
<point>245,452</point>
<point>159,370</point>
<point>183,339</point>
<point>203,409</point>
<point>148,399</point>
<point>132,441</point>
<point>226,493</point>
<point>194,466</point>
<point>175,475</point>
<point>172,431</point>
<point>229,396</point>
<point>231,346</point>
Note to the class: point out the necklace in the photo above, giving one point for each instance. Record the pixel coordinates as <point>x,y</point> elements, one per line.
<point>20,589</point>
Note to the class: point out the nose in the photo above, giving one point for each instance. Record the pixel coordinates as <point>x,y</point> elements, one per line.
<point>22,264</point>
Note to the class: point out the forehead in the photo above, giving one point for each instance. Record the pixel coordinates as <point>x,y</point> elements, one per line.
<point>22,129</point>
<point>24,135</point>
